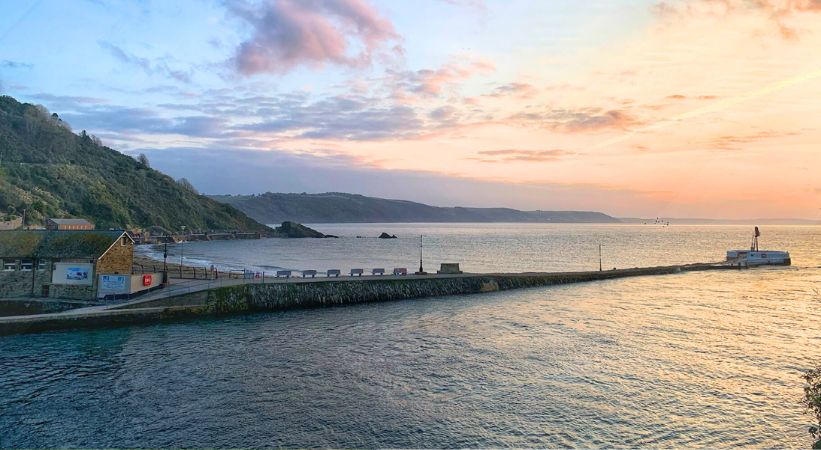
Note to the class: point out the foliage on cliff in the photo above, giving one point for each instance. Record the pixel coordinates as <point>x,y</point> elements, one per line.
<point>49,171</point>
<point>812,401</point>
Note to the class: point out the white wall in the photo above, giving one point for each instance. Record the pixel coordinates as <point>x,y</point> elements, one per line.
<point>113,285</point>
<point>126,284</point>
<point>137,282</point>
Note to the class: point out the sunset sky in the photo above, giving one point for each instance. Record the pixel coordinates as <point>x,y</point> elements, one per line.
<point>703,108</point>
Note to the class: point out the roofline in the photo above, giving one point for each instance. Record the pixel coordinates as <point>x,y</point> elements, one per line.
<point>115,241</point>
<point>72,219</point>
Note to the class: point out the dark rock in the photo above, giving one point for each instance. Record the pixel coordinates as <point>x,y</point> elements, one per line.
<point>296,230</point>
<point>387,236</point>
<point>331,236</point>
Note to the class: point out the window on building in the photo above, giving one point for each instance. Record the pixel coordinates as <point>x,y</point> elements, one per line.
<point>9,265</point>
<point>41,264</point>
<point>27,265</point>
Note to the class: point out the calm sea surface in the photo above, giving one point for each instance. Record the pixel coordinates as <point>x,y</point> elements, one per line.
<point>696,359</point>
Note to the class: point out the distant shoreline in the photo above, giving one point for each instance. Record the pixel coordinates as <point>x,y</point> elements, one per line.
<point>701,221</point>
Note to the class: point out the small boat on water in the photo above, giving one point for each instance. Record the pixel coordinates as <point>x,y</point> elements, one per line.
<point>756,257</point>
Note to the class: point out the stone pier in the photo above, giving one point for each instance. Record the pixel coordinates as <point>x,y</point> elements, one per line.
<point>283,294</point>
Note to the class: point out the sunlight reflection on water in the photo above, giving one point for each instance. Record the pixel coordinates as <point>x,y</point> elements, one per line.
<point>697,359</point>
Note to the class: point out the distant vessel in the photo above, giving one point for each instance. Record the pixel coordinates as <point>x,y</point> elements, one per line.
<point>756,257</point>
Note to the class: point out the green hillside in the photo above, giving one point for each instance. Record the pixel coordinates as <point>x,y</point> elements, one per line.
<point>336,207</point>
<point>49,171</point>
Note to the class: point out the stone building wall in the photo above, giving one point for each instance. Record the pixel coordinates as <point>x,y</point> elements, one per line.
<point>19,283</point>
<point>118,259</point>
<point>73,292</point>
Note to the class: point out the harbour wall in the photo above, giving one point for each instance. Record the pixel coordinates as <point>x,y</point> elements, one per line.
<point>283,296</point>
<point>279,295</point>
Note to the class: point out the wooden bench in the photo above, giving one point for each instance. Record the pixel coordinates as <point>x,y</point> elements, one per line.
<point>357,272</point>
<point>309,273</point>
<point>400,271</point>
<point>377,271</point>
<point>333,272</point>
<point>284,273</point>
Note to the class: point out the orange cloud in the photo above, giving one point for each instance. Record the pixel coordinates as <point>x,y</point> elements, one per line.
<point>510,155</point>
<point>577,121</point>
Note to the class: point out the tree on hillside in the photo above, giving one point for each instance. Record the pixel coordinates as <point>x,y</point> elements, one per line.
<point>187,185</point>
<point>142,159</point>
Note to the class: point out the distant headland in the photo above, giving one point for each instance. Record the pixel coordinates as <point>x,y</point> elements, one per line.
<point>337,207</point>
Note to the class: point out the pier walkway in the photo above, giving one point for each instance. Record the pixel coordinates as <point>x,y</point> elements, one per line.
<point>184,298</point>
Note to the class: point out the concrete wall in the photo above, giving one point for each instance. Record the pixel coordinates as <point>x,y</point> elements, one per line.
<point>11,224</point>
<point>118,259</point>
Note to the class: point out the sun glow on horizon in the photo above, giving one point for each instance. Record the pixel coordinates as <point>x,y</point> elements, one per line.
<point>678,108</point>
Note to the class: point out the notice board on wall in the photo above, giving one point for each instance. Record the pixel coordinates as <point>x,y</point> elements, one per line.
<point>114,284</point>
<point>73,273</point>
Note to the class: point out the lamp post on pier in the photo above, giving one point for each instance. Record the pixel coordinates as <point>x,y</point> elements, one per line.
<point>421,270</point>
<point>165,263</point>
<point>600,246</point>
<point>182,250</point>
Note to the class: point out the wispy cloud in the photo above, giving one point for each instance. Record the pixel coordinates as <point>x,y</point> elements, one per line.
<point>778,12</point>
<point>577,121</point>
<point>289,33</point>
<point>8,64</point>
<point>736,142</point>
<point>155,67</point>
<point>519,90</point>
<point>432,82</point>
<point>104,118</point>
<point>513,155</point>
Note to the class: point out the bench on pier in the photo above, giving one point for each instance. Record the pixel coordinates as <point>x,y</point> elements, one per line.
<point>449,268</point>
<point>309,273</point>
<point>400,271</point>
<point>357,272</point>
<point>334,273</point>
<point>377,271</point>
<point>284,273</point>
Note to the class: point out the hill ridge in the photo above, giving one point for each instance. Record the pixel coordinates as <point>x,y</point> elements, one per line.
<point>340,207</point>
<point>50,171</point>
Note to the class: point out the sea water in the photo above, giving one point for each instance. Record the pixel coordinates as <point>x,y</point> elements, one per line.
<point>700,359</point>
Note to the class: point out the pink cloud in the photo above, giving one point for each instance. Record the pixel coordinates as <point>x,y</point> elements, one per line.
<point>408,86</point>
<point>431,82</point>
<point>289,33</point>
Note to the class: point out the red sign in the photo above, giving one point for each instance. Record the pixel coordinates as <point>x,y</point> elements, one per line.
<point>146,280</point>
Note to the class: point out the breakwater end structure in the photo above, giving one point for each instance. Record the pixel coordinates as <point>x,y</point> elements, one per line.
<point>224,297</point>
